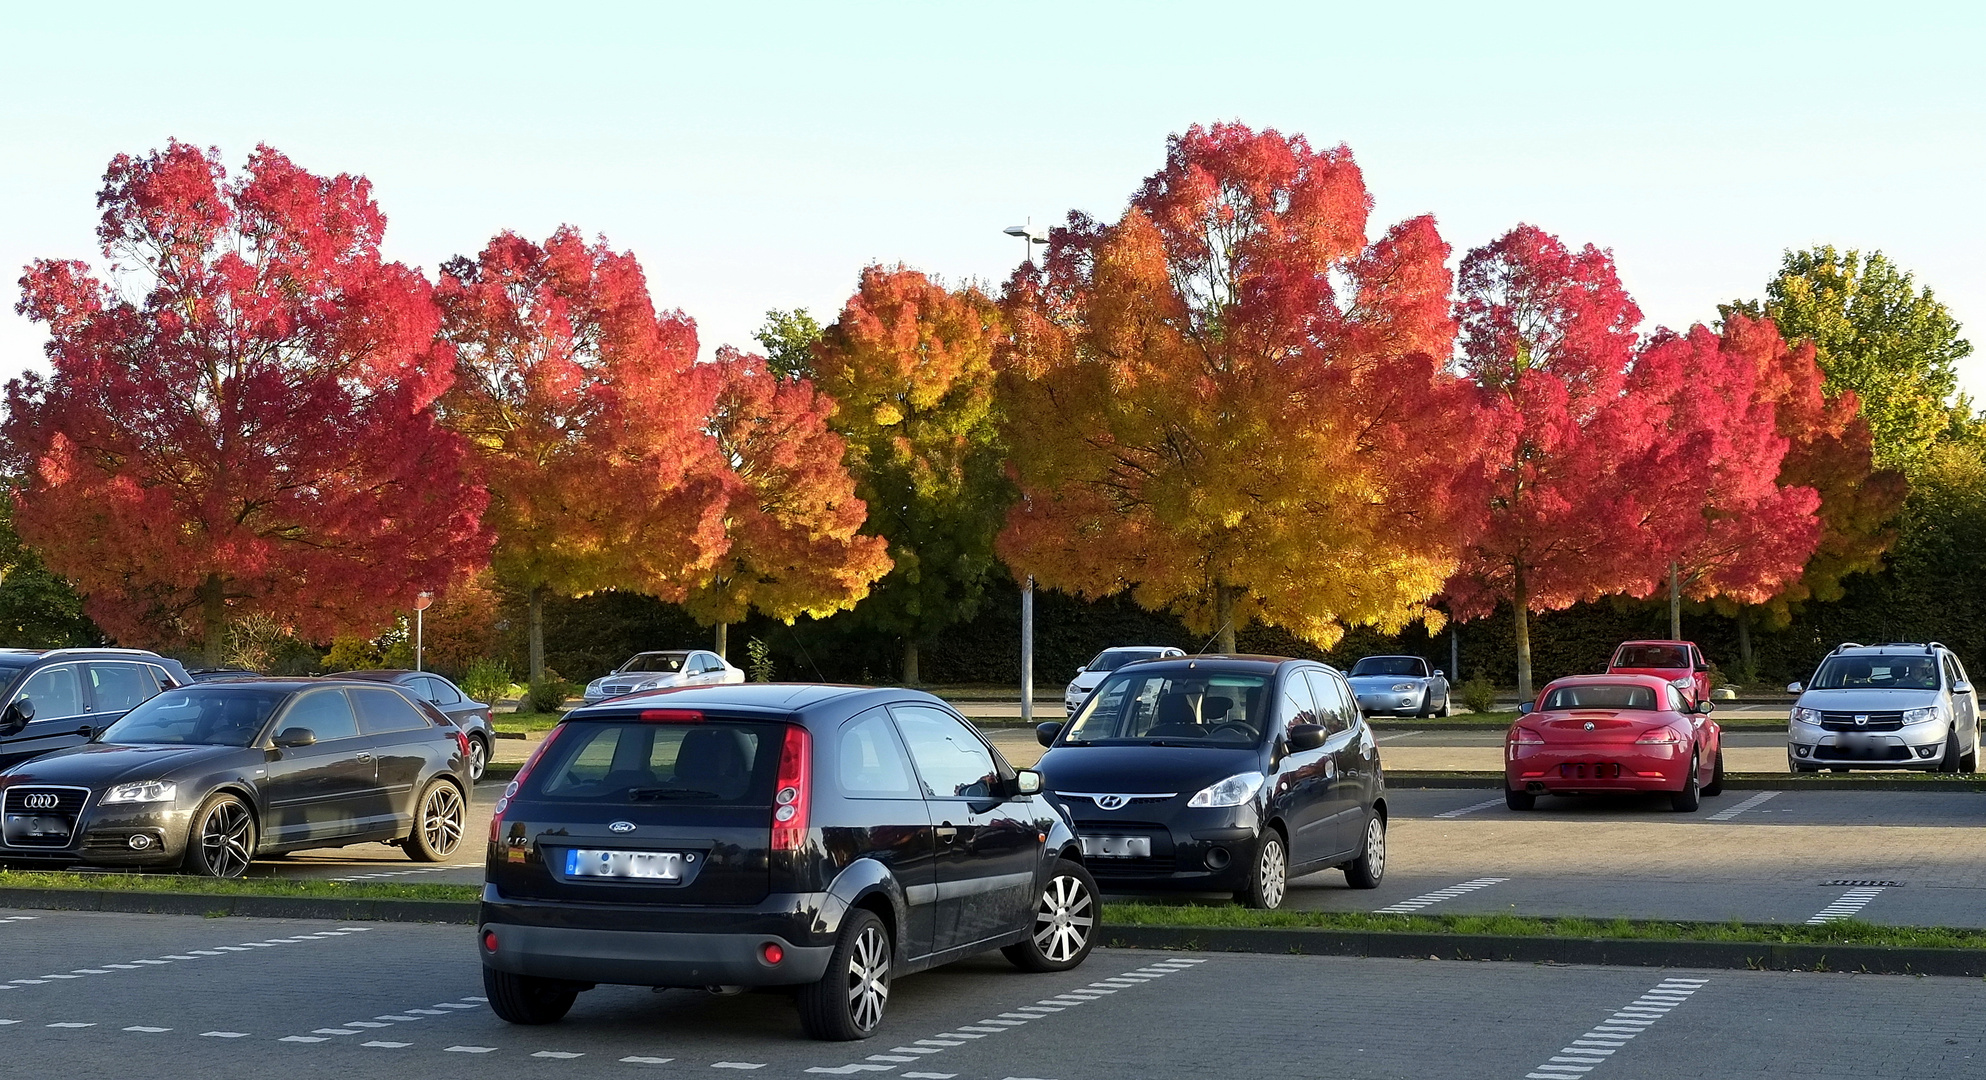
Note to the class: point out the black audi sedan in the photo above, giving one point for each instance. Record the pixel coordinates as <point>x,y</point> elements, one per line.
<point>1220,774</point>
<point>212,775</point>
<point>824,838</point>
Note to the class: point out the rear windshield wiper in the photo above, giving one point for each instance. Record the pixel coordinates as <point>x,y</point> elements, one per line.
<point>658,794</point>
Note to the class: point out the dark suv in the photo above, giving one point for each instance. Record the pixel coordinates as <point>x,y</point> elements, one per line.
<point>57,698</point>
<point>826,838</point>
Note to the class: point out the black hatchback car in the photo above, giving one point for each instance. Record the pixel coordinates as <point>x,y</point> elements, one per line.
<point>55,698</point>
<point>1220,774</point>
<point>824,838</point>
<point>212,775</point>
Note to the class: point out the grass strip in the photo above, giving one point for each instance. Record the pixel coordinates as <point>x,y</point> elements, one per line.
<point>526,722</point>
<point>1845,932</point>
<point>270,886</point>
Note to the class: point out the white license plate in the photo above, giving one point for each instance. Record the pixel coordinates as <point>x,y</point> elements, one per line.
<point>642,865</point>
<point>1118,847</point>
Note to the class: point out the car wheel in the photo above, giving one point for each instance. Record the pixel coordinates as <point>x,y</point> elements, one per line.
<point>1717,775</point>
<point>1366,871</point>
<point>479,757</point>
<point>1519,800</point>
<point>1969,763</point>
<point>438,822</point>
<point>1949,762</point>
<point>1690,797</point>
<point>1270,878</point>
<point>847,1003</point>
<point>1064,926</point>
<point>1447,704</point>
<point>1837,768</point>
<point>222,839</point>
<point>527,999</point>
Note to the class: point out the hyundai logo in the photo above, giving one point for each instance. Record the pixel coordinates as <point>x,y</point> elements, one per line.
<point>1111,802</point>
<point>40,802</point>
<point>621,826</point>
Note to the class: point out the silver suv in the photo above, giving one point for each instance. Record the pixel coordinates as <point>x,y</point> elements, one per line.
<point>1898,706</point>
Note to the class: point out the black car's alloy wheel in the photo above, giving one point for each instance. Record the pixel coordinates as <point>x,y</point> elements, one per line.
<point>1366,871</point>
<point>222,840</point>
<point>848,1002</point>
<point>1064,925</point>
<point>1270,878</point>
<point>525,999</point>
<point>438,823</point>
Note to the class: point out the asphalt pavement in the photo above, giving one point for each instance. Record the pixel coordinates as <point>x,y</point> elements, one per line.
<point>112,996</point>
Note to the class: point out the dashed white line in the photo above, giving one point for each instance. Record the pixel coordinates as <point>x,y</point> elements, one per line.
<point>737,1065</point>
<point>1408,907</point>
<point>1397,735</point>
<point>1593,1049</point>
<point>384,1045</point>
<point>557,1055</point>
<point>1851,902</point>
<point>224,1034</point>
<point>639,1060</point>
<point>146,1030</point>
<point>928,1076</point>
<point>1470,809</point>
<point>1752,803</point>
<point>469,1050</point>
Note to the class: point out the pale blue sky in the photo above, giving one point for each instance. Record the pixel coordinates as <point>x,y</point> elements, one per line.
<point>758,155</point>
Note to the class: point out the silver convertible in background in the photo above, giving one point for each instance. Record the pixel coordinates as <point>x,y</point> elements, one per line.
<point>1399,686</point>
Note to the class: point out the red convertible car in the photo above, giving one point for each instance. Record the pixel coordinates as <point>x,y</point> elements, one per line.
<point>1680,662</point>
<point>1598,734</point>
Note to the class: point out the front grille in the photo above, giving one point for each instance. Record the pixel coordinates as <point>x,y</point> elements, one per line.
<point>1134,800</point>
<point>617,689</point>
<point>41,816</point>
<point>1878,721</point>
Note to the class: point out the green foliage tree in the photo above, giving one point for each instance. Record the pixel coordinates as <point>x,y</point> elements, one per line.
<point>788,338</point>
<point>38,608</point>
<point>1876,333</point>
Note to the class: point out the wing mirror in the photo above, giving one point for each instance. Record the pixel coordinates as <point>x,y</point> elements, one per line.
<point>1524,708</point>
<point>1705,707</point>
<point>1794,688</point>
<point>17,716</point>
<point>1305,737</point>
<point>296,736</point>
<point>1045,733</point>
<point>1440,674</point>
<point>1027,782</point>
<point>1961,687</point>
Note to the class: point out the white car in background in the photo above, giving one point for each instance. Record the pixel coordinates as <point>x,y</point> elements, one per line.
<point>662,671</point>
<point>1105,662</point>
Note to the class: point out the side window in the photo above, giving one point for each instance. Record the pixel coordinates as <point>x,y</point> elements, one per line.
<point>1297,706</point>
<point>324,713</point>
<point>384,711</point>
<point>1958,669</point>
<point>55,691</point>
<point>871,761</point>
<point>1675,697</point>
<point>121,687</point>
<point>162,676</point>
<point>443,692</point>
<point>1335,709</point>
<point>950,758</point>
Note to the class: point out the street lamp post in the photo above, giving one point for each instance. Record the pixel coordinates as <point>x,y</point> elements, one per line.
<point>1030,236</point>
<point>421,603</point>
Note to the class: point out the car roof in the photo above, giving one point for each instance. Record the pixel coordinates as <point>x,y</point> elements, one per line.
<point>1394,656</point>
<point>1653,641</point>
<point>378,674</point>
<point>769,698</point>
<point>1894,648</point>
<point>284,683</point>
<point>1609,680</point>
<point>1139,648</point>
<point>1227,662</point>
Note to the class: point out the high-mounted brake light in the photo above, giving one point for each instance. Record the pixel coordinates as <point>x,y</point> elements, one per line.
<point>672,716</point>
<point>792,797</point>
<point>516,785</point>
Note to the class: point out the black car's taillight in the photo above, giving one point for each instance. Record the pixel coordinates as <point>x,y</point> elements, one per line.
<point>793,797</point>
<point>516,785</point>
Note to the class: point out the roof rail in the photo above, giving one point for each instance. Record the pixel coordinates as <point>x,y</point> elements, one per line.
<point>1849,645</point>
<point>1934,646</point>
<point>120,652</point>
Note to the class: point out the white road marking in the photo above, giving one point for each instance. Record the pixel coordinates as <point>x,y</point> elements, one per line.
<point>336,1031</point>
<point>147,1030</point>
<point>3,1023</point>
<point>898,1058</point>
<point>364,1024</point>
<point>557,1055</point>
<point>915,1050</point>
<point>384,1045</point>
<point>400,873</point>
<point>1592,1049</point>
<point>982,1030</point>
<point>72,1024</point>
<point>303,1039</point>
<point>851,1070</point>
<point>638,1060</point>
<point>928,1076</point>
<point>1851,902</point>
<point>737,1065</point>
<point>20,918</point>
<point>1397,735</point>
<point>224,1034</point>
<point>1470,809</point>
<point>469,1050</point>
<point>942,1042</point>
<point>1752,803</point>
<point>1408,907</point>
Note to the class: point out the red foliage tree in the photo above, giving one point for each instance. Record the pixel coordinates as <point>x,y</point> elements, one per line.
<point>253,432</point>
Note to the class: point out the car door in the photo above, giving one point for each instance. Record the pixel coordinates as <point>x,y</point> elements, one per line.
<point>1965,703</point>
<point>60,709</point>
<point>1300,781</point>
<point>987,849</point>
<point>887,820</point>
<point>324,791</point>
<point>1349,749</point>
<point>115,687</point>
<point>403,745</point>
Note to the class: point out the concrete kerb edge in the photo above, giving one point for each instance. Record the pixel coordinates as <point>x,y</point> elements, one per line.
<point>257,907</point>
<point>1608,952</point>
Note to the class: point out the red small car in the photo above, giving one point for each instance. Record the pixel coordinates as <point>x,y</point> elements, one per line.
<point>1595,734</point>
<point>1677,661</point>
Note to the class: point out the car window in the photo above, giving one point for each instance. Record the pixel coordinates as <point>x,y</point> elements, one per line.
<point>384,711</point>
<point>1412,666</point>
<point>1651,656</point>
<point>1877,673</point>
<point>871,761</point>
<point>950,758</point>
<point>1675,699</point>
<point>1186,707</point>
<point>637,762</point>
<point>669,662</point>
<point>120,687</point>
<point>444,692</point>
<point>324,713</point>
<point>199,715</point>
<point>55,691</point>
<point>1335,708</point>
<point>1958,669</point>
<point>1298,707</point>
<point>1602,696</point>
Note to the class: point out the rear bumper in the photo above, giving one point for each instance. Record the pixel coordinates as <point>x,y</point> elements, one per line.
<point>1596,767</point>
<point>648,957</point>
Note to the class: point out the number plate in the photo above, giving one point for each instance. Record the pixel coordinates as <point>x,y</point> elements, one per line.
<point>1118,847</point>
<point>641,865</point>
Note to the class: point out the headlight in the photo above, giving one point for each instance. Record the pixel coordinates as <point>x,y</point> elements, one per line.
<point>1405,687</point>
<point>148,791</point>
<point>1923,716</point>
<point>1806,716</point>
<point>1233,791</point>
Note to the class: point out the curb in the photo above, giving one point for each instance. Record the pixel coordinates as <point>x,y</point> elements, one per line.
<point>1611,952</point>
<point>254,907</point>
<point>1732,782</point>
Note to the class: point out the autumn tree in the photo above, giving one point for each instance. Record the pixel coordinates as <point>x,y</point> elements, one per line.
<point>788,339</point>
<point>791,518</point>
<point>909,364</point>
<point>588,410</point>
<point>248,429</point>
<point>1232,404</point>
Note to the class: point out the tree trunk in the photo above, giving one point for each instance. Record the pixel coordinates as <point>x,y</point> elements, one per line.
<point>723,638</point>
<point>910,661</point>
<point>1745,643</point>
<point>536,647</point>
<point>213,620</point>
<point>1675,605</point>
<point>1520,603</point>
<point>1224,611</point>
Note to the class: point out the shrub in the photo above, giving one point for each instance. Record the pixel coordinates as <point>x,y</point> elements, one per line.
<point>1479,695</point>
<point>486,680</point>
<point>760,663</point>
<point>352,654</point>
<point>549,693</point>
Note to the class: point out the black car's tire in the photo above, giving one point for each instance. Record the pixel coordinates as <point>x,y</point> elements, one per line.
<point>479,757</point>
<point>1837,768</point>
<point>848,1002</point>
<point>220,842</point>
<point>1519,800</point>
<point>1268,880</point>
<point>440,815</point>
<point>527,999</point>
<point>1366,871</point>
<point>1691,796</point>
<point>1064,926</point>
<point>1717,775</point>
<point>1949,762</point>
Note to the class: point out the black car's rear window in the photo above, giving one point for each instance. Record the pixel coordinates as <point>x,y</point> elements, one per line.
<point>714,762</point>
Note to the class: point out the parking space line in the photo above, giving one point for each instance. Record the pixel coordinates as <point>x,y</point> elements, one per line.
<point>1397,735</point>
<point>1471,809</point>
<point>1752,803</point>
<point>1851,902</point>
<point>1593,1049</point>
<point>1408,907</point>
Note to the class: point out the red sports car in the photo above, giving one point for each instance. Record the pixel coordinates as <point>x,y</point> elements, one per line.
<point>1594,734</point>
<point>1680,662</point>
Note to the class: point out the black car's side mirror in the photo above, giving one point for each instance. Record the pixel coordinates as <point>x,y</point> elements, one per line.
<point>1027,782</point>
<point>1306,737</point>
<point>296,736</point>
<point>17,717</point>
<point>1045,733</point>
<point>1524,708</point>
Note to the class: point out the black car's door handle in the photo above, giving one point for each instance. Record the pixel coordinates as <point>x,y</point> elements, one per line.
<point>947,832</point>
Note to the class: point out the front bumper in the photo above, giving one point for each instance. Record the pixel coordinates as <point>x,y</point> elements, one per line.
<point>591,943</point>
<point>1195,850</point>
<point>1380,704</point>
<point>1567,768</point>
<point>1918,746</point>
<point>102,837</point>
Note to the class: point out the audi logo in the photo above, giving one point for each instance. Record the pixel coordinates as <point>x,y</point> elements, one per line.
<point>1110,802</point>
<point>40,802</point>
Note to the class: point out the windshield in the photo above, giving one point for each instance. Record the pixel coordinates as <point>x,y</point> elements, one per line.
<point>1877,673</point>
<point>655,661</point>
<point>1174,709</point>
<point>198,716</point>
<point>1607,696</point>
<point>1390,665</point>
<point>1112,659</point>
<point>1651,656</point>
